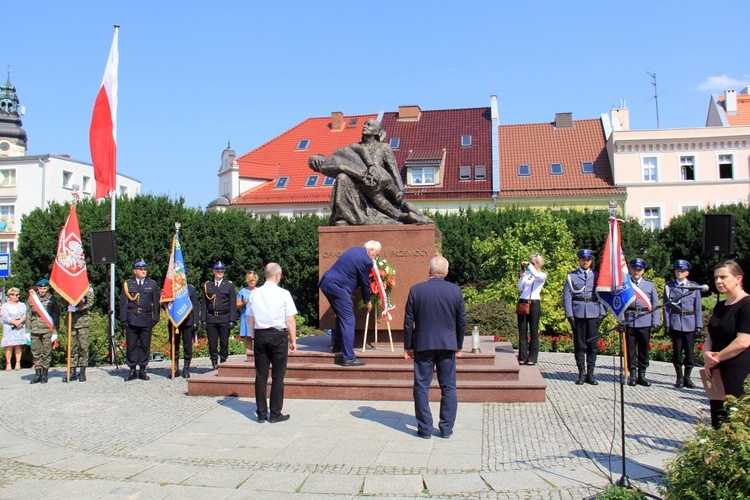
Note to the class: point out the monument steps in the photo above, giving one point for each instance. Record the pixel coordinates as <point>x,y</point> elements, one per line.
<point>312,373</point>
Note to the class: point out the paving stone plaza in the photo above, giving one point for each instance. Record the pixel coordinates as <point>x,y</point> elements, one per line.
<point>106,438</point>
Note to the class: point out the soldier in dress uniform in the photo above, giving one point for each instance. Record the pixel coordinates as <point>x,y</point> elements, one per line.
<point>79,336</point>
<point>139,312</point>
<point>640,323</point>
<point>42,336</point>
<point>683,318</point>
<point>186,333</point>
<point>218,313</point>
<point>585,313</point>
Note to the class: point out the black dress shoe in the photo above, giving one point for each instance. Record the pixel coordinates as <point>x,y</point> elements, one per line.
<point>132,375</point>
<point>424,435</point>
<point>214,364</point>
<point>262,419</point>
<point>280,418</point>
<point>446,435</point>
<point>353,362</point>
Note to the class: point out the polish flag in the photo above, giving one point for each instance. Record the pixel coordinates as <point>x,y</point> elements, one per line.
<point>103,131</point>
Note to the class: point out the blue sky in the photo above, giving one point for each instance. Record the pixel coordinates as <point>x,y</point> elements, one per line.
<point>194,75</point>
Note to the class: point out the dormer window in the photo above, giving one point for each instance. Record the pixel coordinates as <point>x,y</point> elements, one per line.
<point>464,173</point>
<point>480,172</point>
<point>587,167</point>
<point>302,145</point>
<point>465,141</point>
<point>329,181</point>
<point>524,170</point>
<point>555,168</point>
<point>281,183</point>
<point>395,142</point>
<point>312,181</point>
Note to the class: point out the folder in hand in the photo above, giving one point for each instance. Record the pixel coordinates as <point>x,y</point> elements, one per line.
<point>713,384</point>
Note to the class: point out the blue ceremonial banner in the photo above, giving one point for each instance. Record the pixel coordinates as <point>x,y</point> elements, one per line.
<point>613,287</point>
<point>175,291</point>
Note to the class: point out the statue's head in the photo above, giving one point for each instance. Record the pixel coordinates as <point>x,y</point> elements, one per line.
<point>371,127</point>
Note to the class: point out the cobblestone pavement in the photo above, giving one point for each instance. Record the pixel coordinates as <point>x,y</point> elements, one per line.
<point>109,439</point>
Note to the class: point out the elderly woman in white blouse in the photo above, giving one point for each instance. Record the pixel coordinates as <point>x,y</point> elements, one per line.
<point>530,284</point>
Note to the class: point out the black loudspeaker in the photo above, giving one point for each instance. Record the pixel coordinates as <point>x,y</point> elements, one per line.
<point>718,233</point>
<point>103,247</point>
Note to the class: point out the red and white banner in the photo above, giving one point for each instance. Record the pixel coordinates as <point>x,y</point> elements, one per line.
<point>42,312</point>
<point>69,277</point>
<point>103,131</point>
<point>381,292</point>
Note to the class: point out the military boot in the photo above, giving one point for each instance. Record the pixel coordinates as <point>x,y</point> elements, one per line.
<point>631,378</point>
<point>72,375</point>
<point>142,374</point>
<point>688,383</point>
<point>132,375</point>
<point>82,375</point>
<point>590,379</point>
<point>44,375</point>
<point>679,381</point>
<point>642,379</point>
<point>186,370</point>
<point>37,377</point>
<point>581,375</point>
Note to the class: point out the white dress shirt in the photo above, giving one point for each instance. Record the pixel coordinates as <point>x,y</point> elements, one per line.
<point>269,305</point>
<point>531,283</point>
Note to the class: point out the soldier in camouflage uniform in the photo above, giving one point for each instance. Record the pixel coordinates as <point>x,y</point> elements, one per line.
<point>79,336</point>
<point>41,335</point>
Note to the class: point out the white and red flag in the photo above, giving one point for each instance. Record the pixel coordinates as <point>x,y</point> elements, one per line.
<point>613,287</point>
<point>103,131</point>
<point>69,277</point>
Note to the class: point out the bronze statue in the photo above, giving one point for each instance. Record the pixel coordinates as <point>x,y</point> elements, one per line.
<point>368,189</point>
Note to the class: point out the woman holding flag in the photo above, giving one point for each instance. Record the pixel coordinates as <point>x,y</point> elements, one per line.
<point>42,318</point>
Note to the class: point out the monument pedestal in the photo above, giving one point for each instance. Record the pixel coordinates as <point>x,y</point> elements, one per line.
<point>407,248</point>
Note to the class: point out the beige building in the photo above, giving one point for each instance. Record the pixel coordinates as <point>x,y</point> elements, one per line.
<point>668,172</point>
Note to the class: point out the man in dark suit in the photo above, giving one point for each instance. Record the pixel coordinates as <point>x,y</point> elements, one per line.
<point>350,271</point>
<point>186,333</point>
<point>139,312</point>
<point>434,325</point>
<point>218,312</point>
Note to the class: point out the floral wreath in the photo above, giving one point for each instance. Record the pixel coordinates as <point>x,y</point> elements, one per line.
<point>382,283</point>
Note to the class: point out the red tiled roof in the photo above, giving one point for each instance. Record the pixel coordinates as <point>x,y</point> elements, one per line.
<point>279,157</point>
<point>540,144</point>
<point>743,110</point>
<point>425,139</point>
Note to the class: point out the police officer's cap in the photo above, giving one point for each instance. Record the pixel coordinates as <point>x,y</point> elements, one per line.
<point>585,253</point>
<point>682,264</point>
<point>220,266</point>
<point>638,263</point>
<point>42,282</point>
<point>140,264</point>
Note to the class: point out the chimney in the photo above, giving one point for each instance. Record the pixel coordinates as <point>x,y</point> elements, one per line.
<point>746,90</point>
<point>730,102</point>
<point>621,117</point>
<point>563,120</point>
<point>409,113</point>
<point>337,121</point>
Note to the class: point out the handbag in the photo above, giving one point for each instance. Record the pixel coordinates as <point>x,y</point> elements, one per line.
<point>523,307</point>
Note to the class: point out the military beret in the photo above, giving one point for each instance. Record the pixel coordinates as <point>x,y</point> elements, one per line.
<point>220,266</point>
<point>638,262</point>
<point>682,264</point>
<point>140,264</point>
<point>585,253</point>
<point>42,282</point>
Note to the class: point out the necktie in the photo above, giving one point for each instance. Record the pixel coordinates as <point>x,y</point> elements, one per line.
<point>217,284</point>
<point>140,282</point>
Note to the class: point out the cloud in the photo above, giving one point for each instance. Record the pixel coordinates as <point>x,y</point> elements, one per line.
<point>721,83</point>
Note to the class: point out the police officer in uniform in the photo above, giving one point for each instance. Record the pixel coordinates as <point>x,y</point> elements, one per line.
<point>139,312</point>
<point>42,336</point>
<point>79,336</point>
<point>218,313</point>
<point>683,318</point>
<point>640,323</point>
<point>585,313</point>
<point>186,333</point>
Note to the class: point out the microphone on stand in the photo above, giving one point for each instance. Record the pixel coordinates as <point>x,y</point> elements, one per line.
<point>702,288</point>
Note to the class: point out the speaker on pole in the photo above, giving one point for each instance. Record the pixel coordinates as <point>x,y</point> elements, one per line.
<point>718,233</point>
<point>103,247</point>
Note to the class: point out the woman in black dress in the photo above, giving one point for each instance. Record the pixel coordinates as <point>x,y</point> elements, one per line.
<point>728,341</point>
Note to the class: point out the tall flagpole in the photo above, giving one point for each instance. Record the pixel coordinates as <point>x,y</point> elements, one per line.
<point>113,198</point>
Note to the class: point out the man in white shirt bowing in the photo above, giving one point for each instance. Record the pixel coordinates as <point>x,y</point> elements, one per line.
<point>270,320</point>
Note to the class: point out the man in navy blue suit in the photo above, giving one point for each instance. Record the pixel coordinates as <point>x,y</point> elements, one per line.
<point>350,271</point>
<point>434,326</point>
